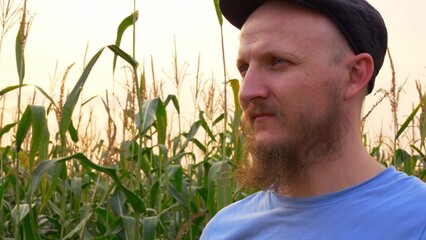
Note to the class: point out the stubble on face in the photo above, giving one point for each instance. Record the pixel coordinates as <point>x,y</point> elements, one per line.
<point>280,164</point>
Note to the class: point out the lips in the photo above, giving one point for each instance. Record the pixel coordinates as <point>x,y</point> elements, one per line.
<point>261,116</point>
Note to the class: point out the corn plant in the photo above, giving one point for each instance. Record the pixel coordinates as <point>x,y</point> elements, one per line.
<point>154,183</point>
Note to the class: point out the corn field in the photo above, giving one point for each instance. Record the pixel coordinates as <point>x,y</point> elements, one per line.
<point>150,176</point>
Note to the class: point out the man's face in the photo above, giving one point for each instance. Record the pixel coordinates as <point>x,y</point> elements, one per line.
<point>290,61</point>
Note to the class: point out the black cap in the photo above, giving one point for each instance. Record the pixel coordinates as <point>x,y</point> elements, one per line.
<point>361,24</point>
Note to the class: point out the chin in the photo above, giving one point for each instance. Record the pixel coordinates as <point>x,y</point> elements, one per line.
<point>268,140</point>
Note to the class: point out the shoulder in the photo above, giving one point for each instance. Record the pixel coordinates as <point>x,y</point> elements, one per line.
<point>396,188</point>
<point>243,206</point>
<point>399,196</point>
<point>232,216</point>
<point>402,184</point>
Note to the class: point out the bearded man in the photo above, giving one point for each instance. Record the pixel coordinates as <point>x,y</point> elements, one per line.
<point>307,66</point>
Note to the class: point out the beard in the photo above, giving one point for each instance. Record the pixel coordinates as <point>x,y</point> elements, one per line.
<point>282,163</point>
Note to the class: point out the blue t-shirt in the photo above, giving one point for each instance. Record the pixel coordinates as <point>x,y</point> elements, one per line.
<point>390,206</point>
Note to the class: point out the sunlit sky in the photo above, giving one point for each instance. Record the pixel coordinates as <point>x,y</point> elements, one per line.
<point>61,31</point>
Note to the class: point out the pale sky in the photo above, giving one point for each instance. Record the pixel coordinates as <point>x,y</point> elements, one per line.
<point>62,29</point>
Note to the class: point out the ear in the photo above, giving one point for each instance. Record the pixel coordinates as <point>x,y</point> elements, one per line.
<point>360,73</point>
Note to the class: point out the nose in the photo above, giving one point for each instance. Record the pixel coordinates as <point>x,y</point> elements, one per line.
<point>253,87</point>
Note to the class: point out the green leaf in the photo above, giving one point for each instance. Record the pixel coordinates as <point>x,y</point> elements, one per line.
<point>211,189</point>
<point>154,193</point>
<point>149,227</point>
<point>134,200</point>
<point>407,121</point>
<point>145,165</point>
<point>218,12</point>
<point>29,226</point>
<point>178,196</point>
<point>23,127</point>
<point>218,119</point>
<point>11,88</point>
<point>73,133</point>
<point>123,55</point>
<point>423,122</point>
<point>175,101</point>
<point>39,125</point>
<point>35,117</point>
<point>76,187</point>
<point>401,157</point>
<point>422,155</point>
<point>130,227</point>
<point>149,110</point>
<point>127,22</point>
<point>190,135</point>
<point>78,227</point>
<point>54,175</point>
<point>200,145</point>
<point>19,212</point>
<point>176,173</point>
<point>235,85</point>
<point>89,100</point>
<point>219,187</point>
<point>224,186</point>
<point>206,128</point>
<point>6,129</point>
<point>72,99</point>
<point>19,51</point>
<point>37,177</point>
<point>161,125</point>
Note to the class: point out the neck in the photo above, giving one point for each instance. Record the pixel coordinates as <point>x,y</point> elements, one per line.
<point>347,167</point>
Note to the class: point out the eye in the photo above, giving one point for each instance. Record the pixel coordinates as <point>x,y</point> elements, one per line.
<point>242,68</point>
<point>278,61</point>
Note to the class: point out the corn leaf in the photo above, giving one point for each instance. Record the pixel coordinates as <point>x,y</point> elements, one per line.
<point>76,187</point>
<point>29,226</point>
<point>19,51</point>
<point>78,227</point>
<point>218,12</point>
<point>178,196</point>
<point>19,212</point>
<point>161,126</point>
<point>407,121</point>
<point>176,173</point>
<point>224,186</point>
<point>130,228</point>
<point>117,202</point>
<point>423,122</point>
<point>73,132</point>
<point>175,101</point>
<point>23,127</point>
<point>123,55</point>
<point>235,85</point>
<point>190,135</point>
<point>149,227</point>
<point>39,128</point>
<point>14,87</point>
<point>6,129</point>
<point>127,22</point>
<point>211,191</point>
<point>134,200</point>
<point>149,111</point>
<point>219,187</point>
<point>72,99</point>
<point>154,193</point>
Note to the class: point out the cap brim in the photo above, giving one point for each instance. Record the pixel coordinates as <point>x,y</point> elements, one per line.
<point>237,11</point>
